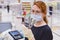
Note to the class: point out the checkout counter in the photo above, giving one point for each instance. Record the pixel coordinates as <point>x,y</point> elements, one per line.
<point>9,33</point>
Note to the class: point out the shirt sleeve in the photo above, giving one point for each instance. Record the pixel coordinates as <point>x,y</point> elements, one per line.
<point>47,35</point>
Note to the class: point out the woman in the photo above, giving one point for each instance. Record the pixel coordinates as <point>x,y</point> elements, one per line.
<point>40,29</point>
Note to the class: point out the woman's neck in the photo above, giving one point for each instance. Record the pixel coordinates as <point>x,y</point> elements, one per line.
<point>39,24</point>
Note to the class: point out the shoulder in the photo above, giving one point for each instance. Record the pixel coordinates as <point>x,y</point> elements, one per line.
<point>47,29</point>
<point>47,33</point>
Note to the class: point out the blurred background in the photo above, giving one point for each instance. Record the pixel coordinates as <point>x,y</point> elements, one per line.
<point>11,11</point>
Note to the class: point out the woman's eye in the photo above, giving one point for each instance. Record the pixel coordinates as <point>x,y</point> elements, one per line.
<point>32,10</point>
<point>37,11</point>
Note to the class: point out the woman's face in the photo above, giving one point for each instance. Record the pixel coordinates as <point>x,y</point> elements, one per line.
<point>36,10</point>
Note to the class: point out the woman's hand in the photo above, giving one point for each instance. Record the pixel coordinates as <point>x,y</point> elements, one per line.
<point>28,33</point>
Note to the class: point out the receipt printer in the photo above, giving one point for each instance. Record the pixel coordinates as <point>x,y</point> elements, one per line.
<point>16,35</point>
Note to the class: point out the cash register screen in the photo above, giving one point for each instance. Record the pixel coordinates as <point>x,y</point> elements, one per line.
<point>16,34</point>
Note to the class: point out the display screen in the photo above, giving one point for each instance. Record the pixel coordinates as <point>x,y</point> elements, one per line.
<point>16,34</point>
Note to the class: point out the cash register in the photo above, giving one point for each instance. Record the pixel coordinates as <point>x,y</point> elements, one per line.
<point>16,35</point>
